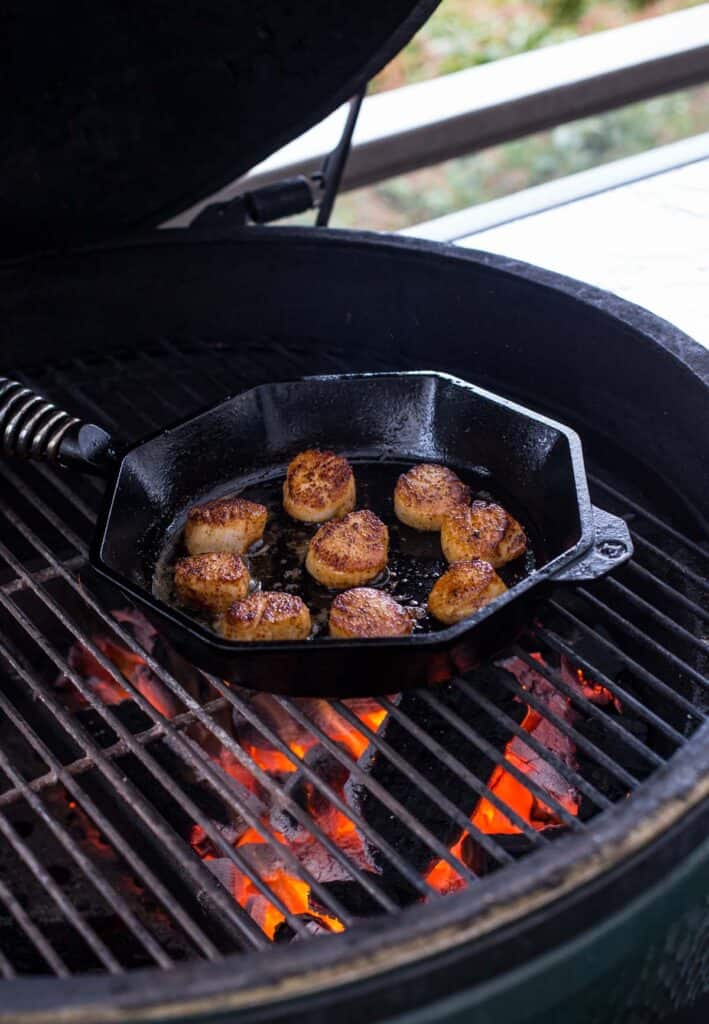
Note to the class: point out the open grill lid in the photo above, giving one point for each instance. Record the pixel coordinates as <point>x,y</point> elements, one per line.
<point>118,116</point>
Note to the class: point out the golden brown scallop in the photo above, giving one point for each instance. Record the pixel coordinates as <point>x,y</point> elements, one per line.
<point>318,486</point>
<point>266,615</point>
<point>366,612</point>
<point>213,580</point>
<point>426,494</point>
<point>348,552</point>
<point>225,524</point>
<point>482,530</point>
<point>463,590</point>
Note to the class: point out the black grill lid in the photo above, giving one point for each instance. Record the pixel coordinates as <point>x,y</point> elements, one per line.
<point>117,115</point>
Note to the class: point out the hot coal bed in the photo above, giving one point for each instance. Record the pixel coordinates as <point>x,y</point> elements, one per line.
<point>157,817</point>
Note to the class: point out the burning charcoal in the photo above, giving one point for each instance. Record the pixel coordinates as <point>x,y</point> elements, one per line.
<point>516,844</point>
<point>277,719</point>
<point>308,796</point>
<point>446,780</point>
<point>314,925</point>
<point>555,741</point>
<point>592,691</point>
<point>129,663</point>
<point>355,898</point>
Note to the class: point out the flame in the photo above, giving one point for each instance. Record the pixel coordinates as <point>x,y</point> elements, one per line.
<point>487,818</point>
<point>293,893</point>
<point>270,760</point>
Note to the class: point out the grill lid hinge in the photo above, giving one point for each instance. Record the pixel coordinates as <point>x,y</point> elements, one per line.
<point>290,196</point>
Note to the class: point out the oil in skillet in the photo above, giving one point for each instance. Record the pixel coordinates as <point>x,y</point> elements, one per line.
<point>415,559</point>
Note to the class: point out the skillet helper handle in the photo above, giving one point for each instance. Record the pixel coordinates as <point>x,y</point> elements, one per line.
<point>31,427</point>
<point>611,547</point>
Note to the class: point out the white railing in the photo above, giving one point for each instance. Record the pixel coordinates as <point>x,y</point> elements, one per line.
<point>421,125</point>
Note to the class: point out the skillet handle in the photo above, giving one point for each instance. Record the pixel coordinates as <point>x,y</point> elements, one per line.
<point>611,547</point>
<point>33,428</point>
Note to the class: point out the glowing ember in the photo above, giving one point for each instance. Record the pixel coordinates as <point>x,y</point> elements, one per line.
<point>592,691</point>
<point>129,664</point>
<point>488,818</point>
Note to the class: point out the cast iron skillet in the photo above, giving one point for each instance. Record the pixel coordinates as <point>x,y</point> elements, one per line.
<point>384,423</point>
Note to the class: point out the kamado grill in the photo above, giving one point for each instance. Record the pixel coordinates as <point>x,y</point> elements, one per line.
<point>525,840</point>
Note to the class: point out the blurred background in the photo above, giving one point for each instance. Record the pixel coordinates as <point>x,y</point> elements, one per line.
<point>464,33</point>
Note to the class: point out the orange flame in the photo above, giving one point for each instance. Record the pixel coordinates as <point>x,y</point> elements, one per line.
<point>487,818</point>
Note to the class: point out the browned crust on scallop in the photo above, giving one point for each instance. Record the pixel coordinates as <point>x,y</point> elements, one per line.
<point>350,551</point>
<point>426,493</point>
<point>211,580</point>
<point>366,612</point>
<point>482,530</point>
<point>463,590</point>
<point>266,615</point>
<point>318,485</point>
<point>222,511</point>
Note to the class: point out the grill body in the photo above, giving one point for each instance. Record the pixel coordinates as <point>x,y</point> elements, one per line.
<point>221,314</point>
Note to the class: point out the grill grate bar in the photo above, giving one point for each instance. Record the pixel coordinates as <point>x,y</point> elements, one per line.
<point>130,855</point>
<point>499,759</point>
<point>43,575</point>
<point>567,773</point>
<point>610,765</point>
<point>639,602</point>
<point>119,399</point>
<point>100,950</point>
<point>118,749</point>
<point>454,764</point>
<point>558,644</point>
<point>187,389</point>
<point>674,595</point>
<point>114,900</point>
<point>648,641</point>
<point>186,752</point>
<point>32,932</point>
<point>649,516</point>
<point>6,969</point>
<point>643,544</point>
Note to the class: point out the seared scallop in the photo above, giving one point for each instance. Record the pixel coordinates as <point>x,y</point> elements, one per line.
<point>226,524</point>
<point>266,615</point>
<point>482,530</point>
<point>318,486</point>
<point>213,580</point>
<point>348,552</point>
<point>366,612</point>
<point>463,590</point>
<point>426,494</point>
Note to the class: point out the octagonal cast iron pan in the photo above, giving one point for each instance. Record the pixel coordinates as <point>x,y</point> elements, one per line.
<point>384,423</point>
